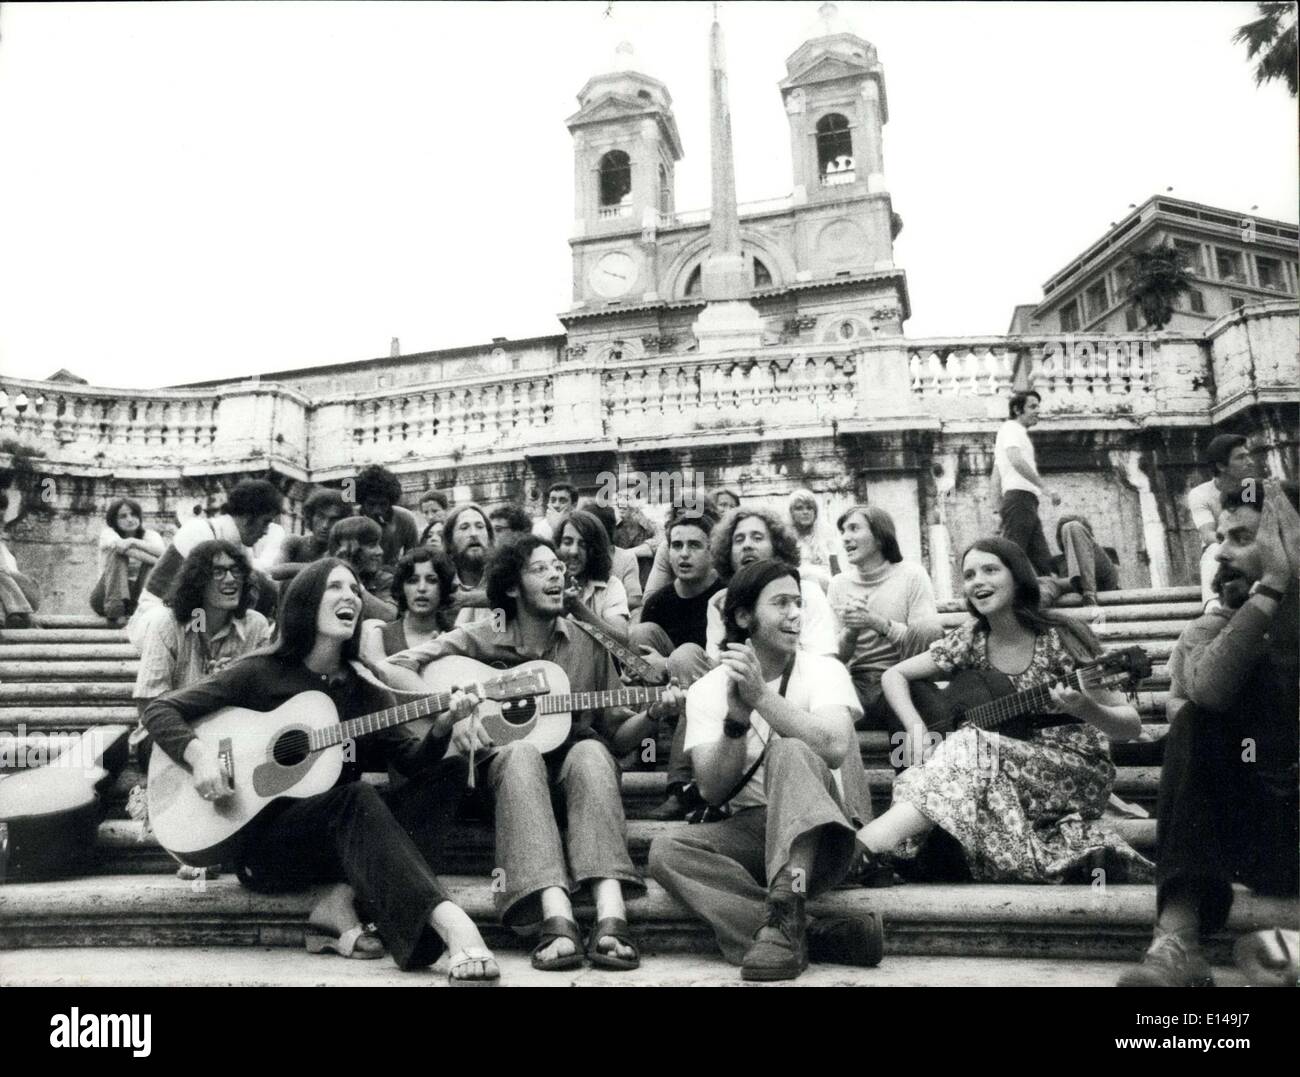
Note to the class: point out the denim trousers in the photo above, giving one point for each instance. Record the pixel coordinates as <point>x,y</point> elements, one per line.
<point>380,843</point>
<point>721,871</point>
<point>115,587</point>
<point>18,595</point>
<point>687,664</point>
<point>530,797</point>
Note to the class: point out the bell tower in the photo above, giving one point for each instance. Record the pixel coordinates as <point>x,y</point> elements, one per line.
<point>625,151</point>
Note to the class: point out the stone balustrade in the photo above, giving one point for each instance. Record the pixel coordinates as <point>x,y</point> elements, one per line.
<point>1159,379</point>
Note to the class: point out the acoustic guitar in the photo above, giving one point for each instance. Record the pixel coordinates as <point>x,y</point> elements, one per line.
<point>985,697</point>
<point>545,718</point>
<point>296,750</point>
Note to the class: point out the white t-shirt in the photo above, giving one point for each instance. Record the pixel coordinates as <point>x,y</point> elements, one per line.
<point>1203,503</point>
<point>816,682</point>
<point>1012,434</point>
<point>268,551</point>
<point>108,542</point>
<point>818,627</point>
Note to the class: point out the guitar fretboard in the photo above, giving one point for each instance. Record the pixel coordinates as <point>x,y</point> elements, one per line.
<point>1031,701</point>
<point>584,701</point>
<point>385,719</point>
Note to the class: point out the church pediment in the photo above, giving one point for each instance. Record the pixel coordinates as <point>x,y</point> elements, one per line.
<point>827,69</point>
<point>610,107</point>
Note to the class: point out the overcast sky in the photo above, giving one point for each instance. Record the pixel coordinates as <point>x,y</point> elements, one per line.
<point>207,190</point>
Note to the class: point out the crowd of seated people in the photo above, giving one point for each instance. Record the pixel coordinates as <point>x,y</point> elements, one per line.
<point>774,636</point>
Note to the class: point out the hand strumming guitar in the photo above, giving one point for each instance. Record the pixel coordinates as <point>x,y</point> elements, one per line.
<point>206,771</point>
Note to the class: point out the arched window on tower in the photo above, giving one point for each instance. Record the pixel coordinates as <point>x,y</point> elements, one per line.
<point>762,275</point>
<point>665,192</point>
<point>834,150</point>
<point>693,283</point>
<point>615,184</point>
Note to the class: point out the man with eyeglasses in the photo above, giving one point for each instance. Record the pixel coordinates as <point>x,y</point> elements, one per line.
<point>206,624</point>
<point>529,794</point>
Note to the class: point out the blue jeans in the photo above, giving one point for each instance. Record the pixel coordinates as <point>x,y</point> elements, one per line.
<point>530,797</point>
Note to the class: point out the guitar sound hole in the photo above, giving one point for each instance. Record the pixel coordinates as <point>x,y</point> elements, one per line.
<point>291,748</point>
<point>518,711</point>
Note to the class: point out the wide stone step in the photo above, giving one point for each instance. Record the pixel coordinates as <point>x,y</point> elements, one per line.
<point>124,848</point>
<point>75,670</point>
<point>71,620</point>
<point>62,635</point>
<point>65,691</point>
<point>212,966</point>
<point>66,652</point>
<point>970,920</point>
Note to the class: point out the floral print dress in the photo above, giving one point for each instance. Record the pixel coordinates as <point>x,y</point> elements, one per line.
<point>1022,810</point>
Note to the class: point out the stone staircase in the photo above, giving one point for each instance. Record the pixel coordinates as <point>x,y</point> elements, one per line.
<point>75,673</point>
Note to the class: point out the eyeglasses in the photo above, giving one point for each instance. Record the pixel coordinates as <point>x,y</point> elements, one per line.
<point>542,569</point>
<point>219,572</point>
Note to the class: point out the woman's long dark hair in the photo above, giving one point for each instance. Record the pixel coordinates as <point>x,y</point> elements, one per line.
<point>116,507</point>
<point>191,583</point>
<point>600,561</point>
<point>1077,637</point>
<point>744,589</point>
<point>442,568</point>
<point>299,606</point>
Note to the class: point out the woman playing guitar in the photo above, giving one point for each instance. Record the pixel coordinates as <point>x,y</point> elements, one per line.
<point>375,841</point>
<point>1020,810</point>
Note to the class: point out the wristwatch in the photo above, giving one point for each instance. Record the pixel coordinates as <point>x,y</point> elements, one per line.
<point>733,729</point>
<point>1261,588</point>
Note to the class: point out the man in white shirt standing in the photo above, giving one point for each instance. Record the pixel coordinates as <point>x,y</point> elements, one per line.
<point>1229,459</point>
<point>1017,471</point>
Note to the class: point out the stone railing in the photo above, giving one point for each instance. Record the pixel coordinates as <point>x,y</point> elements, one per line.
<point>690,394</point>
<point>1161,379</point>
<point>482,415</point>
<point>126,431</point>
<point>1144,378</point>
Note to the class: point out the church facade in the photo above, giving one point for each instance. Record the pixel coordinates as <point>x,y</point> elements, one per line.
<point>829,394</point>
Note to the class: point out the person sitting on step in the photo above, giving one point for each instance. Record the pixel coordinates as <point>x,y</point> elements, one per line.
<point>1084,562</point>
<point>379,493</point>
<point>126,550</point>
<point>885,607</point>
<point>592,593</point>
<point>1232,466</point>
<point>770,736</point>
<point>509,521</point>
<point>422,588</point>
<point>745,536</point>
<point>529,795</point>
<point>623,563</point>
<point>1228,800</point>
<point>20,595</point>
<point>244,518</point>
<point>820,554</point>
<point>1017,810</point>
<point>321,511</point>
<point>561,499</point>
<point>377,847</point>
<point>358,541</point>
<point>468,538</point>
<point>433,506</point>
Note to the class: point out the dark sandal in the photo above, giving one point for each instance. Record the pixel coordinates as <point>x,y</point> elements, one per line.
<point>613,927</point>
<point>558,927</point>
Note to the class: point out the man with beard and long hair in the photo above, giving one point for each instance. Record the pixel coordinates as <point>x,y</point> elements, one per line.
<point>1228,786</point>
<point>467,537</point>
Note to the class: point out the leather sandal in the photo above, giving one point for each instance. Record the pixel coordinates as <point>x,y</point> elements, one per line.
<point>320,941</point>
<point>558,927</point>
<point>612,927</point>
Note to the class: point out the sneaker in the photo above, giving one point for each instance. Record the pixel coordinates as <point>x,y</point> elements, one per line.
<point>1169,962</point>
<point>780,949</point>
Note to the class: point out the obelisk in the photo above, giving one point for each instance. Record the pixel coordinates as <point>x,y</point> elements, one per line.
<point>728,320</point>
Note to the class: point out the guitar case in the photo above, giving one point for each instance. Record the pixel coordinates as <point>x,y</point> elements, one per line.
<point>50,815</point>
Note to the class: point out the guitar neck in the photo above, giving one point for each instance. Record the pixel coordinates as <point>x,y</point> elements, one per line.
<point>587,701</point>
<point>1034,700</point>
<point>424,707</point>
